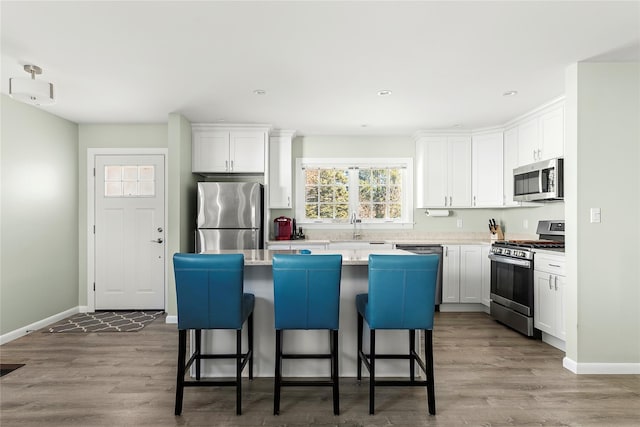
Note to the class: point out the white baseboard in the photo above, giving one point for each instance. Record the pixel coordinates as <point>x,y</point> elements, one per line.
<point>553,341</point>
<point>171,319</point>
<point>601,368</point>
<point>461,308</point>
<point>20,332</point>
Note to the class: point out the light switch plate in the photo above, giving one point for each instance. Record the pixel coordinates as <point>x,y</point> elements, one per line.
<point>459,223</point>
<point>596,215</point>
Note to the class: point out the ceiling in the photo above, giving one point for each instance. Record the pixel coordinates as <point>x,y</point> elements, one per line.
<point>321,64</point>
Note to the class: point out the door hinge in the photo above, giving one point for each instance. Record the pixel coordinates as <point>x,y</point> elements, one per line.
<point>94,172</point>
<point>94,286</point>
<point>94,229</point>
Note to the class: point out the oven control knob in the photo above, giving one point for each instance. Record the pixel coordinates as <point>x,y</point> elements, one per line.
<point>507,252</point>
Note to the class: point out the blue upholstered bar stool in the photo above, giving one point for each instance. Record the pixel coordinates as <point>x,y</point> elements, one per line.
<point>306,295</point>
<point>210,295</point>
<point>401,296</point>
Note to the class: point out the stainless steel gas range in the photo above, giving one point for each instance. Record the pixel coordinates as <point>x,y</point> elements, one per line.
<point>512,264</point>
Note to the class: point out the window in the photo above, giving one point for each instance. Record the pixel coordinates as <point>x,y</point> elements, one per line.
<point>374,190</point>
<point>129,181</point>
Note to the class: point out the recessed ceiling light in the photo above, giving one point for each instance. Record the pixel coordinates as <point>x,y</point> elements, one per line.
<point>384,92</point>
<point>259,92</point>
<point>457,125</point>
<point>510,93</point>
<point>364,125</point>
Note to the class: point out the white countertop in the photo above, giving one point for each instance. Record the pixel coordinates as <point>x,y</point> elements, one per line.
<point>349,256</point>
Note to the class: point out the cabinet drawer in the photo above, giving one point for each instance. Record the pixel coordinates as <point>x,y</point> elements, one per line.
<point>549,264</point>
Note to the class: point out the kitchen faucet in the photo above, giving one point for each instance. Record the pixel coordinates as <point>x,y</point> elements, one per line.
<point>355,221</point>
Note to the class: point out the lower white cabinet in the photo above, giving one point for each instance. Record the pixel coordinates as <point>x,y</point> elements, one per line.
<point>462,274</point>
<point>485,266</point>
<point>549,286</point>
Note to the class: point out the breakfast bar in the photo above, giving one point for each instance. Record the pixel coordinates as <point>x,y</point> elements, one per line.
<point>258,280</point>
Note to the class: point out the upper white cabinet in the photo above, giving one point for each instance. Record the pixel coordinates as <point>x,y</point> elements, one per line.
<point>280,187</point>
<point>226,149</point>
<point>510,158</point>
<point>443,177</point>
<point>487,170</point>
<point>541,137</point>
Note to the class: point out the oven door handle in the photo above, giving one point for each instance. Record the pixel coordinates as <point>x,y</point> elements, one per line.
<point>512,261</point>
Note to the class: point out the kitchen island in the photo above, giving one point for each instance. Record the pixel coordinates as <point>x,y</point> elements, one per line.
<point>258,280</point>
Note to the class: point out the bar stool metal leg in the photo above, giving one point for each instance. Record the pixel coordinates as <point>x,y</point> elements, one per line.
<point>250,342</point>
<point>412,352</point>
<point>182,351</point>
<point>428,352</point>
<point>278,373</point>
<point>334,371</point>
<point>372,370</point>
<point>360,333</point>
<point>198,347</point>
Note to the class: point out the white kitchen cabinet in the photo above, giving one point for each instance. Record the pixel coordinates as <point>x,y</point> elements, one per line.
<point>549,291</point>
<point>217,149</point>
<point>485,266</point>
<point>541,137</point>
<point>510,159</point>
<point>450,273</point>
<point>487,170</point>
<point>462,274</point>
<point>470,274</point>
<point>443,177</point>
<point>280,187</point>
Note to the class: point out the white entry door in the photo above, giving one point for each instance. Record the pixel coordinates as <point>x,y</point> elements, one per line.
<point>129,232</point>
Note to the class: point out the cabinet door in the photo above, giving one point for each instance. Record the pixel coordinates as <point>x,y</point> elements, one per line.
<point>487,170</point>
<point>451,273</point>
<point>561,329</point>
<point>246,151</point>
<point>210,151</point>
<point>552,134</point>
<point>459,173</point>
<point>431,176</point>
<point>486,275</point>
<point>510,163</point>
<point>528,142</point>
<point>470,274</point>
<point>280,172</point>
<point>544,302</point>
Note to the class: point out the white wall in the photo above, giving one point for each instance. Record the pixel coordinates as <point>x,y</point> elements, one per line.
<point>604,265</point>
<point>473,220</point>
<point>39,228</point>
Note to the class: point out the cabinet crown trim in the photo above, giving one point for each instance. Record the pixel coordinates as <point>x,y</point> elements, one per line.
<point>231,126</point>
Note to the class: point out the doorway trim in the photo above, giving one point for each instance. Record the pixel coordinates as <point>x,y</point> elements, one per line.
<point>90,219</point>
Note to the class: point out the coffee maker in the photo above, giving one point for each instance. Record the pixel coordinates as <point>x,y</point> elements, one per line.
<point>283,228</point>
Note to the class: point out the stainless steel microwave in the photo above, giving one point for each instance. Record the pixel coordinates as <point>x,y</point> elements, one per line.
<point>539,181</point>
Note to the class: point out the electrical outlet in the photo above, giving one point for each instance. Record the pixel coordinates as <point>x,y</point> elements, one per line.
<point>459,223</point>
<point>596,215</point>
<point>525,223</point>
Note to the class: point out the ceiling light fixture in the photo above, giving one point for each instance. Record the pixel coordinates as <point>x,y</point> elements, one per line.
<point>384,92</point>
<point>31,91</point>
<point>259,92</point>
<point>510,93</point>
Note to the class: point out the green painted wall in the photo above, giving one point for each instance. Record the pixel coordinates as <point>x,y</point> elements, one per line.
<point>107,136</point>
<point>604,258</point>
<point>39,215</point>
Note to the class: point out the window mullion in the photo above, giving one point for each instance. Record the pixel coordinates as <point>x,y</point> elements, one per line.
<point>353,191</point>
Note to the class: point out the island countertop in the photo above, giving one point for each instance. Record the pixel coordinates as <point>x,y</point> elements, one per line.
<point>349,256</point>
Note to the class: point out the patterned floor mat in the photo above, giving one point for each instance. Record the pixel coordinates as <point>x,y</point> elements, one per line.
<point>106,321</point>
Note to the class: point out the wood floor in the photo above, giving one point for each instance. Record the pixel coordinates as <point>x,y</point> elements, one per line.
<point>485,374</point>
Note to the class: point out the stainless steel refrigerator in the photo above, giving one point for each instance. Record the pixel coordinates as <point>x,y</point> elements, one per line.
<point>230,216</point>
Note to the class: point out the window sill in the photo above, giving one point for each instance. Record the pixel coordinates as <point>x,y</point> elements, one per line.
<point>361,226</point>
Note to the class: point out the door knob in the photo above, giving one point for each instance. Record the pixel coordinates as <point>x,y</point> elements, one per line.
<point>158,240</point>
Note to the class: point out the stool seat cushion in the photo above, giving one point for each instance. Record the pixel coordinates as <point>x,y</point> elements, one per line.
<point>306,291</point>
<point>209,289</point>
<point>401,292</point>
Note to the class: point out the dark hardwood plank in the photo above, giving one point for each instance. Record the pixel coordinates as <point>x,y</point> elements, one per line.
<point>485,374</point>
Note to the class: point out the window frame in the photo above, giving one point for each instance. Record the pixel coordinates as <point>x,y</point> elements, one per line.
<point>404,163</point>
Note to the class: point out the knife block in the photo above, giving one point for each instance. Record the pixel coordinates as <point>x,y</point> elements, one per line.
<point>497,233</point>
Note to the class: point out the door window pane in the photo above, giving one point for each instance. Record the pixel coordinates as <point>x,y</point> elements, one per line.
<point>129,181</point>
